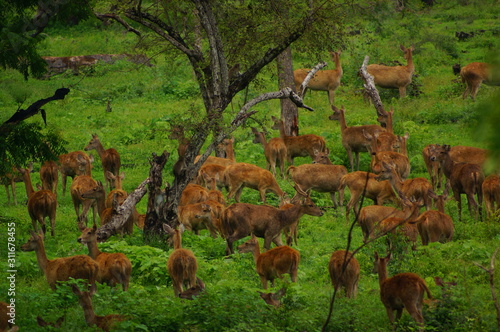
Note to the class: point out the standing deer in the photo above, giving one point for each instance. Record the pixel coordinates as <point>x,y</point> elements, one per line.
<point>73,164</point>
<point>491,193</point>
<point>82,184</point>
<point>476,73</point>
<point>181,265</point>
<point>402,291</point>
<point>395,77</point>
<point>299,146</point>
<point>110,159</point>
<point>353,139</point>
<point>41,204</point>
<point>274,151</point>
<point>323,80</point>
<point>10,179</point>
<point>49,175</point>
<point>177,132</point>
<point>344,272</point>
<point>273,263</point>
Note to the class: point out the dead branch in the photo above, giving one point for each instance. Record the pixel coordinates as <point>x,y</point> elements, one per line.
<point>372,91</point>
<point>309,76</point>
<point>117,18</point>
<point>491,273</point>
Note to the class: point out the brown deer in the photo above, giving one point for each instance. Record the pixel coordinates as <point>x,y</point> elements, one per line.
<point>299,146</point>
<point>274,151</point>
<point>5,325</point>
<point>401,162</point>
<point>433,167</point>
<point>242,219</point>
<point>324,178</point>
<point>323,80</point>
<point>64,268</point>
<point>73,164</point>
<point>344,272</point>
<point>177,133</point>
<point>211,176</point>
<point>273,263</point>
<point>193,193</point>
<point>435,226</point>
<point>353,139</point>
<point>416,189</point>
<point>402,291</point>
<point>98,194</point>
<point>10,179</point>
<point>217,210</point>
<point>114,268</point>
<point>273,298</point>
<point>181,265</point>
<point>80,185</point>
<point>465,178</point>
<point>110,159</point>
<point>106,323</point>
<point>240,175</point>
<point>364,183</point>
<point>476,73</point>
<point>197,216</point>
<point>491,193</point>
<point>193,292</point>
<point>41,204</point>
<point>395,77</point>
<point>227,146</point>
<point>49,175</point>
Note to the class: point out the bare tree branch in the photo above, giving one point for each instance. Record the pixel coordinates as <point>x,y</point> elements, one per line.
<point>310,75</point>
<point>491,273</point>
<point>372,91</point>
<point>119,19</point>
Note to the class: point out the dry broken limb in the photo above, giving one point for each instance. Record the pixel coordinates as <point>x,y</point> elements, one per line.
<point>309,76</point>
<point>372,91</point>
<point>491,273</point>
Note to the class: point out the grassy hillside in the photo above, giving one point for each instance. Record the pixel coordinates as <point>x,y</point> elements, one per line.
<point>145,100</point>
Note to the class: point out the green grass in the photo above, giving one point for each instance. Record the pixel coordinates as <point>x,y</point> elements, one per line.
<point>146,100</point>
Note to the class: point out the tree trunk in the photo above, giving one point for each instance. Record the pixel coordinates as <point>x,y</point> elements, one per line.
<point>289,111</point>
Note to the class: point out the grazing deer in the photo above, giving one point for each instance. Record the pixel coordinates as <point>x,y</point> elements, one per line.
<point>10,179</point>
<point>416,189</point>
<point>401,162</point>
<point>242,219</point>
<point>274,151</point>
<point>435,226</point>
<point>476,73</point>
<point>106,323</point>
<point>299,146</point>
<point>404,226</point>
<point>323,80</point>
<point>353,139</point>
<point>193,292</point>
<point>193,193</point>
<point>465,178</point>
<point>491,193</point>
<point>324,178</point>
<point>344,272</point>
<point>273,263</point>
<point>110,159</point>
<point>181,265</point>
<point>395,77</point>
<point>41,204</point>
<point>74,164</point>
<point>114,268</point>
<point>80,185</point>
<point>49,175</point>
<point>240,175</point>
<point>64,268</point>
<point>211,176</point>
<point>197,216</point>
<point>402,291</point>
<point>364,183</point>
<point>273,298</point>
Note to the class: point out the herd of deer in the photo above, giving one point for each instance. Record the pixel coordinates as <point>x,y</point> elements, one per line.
<point>202,205</point>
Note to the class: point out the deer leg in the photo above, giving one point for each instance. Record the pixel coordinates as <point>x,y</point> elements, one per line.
<point>263,280</point>
<point>238,194</point>
<point>390,314</point>
<point>351,160</point>
<point>331,96</point>
<point>402,91</point>
<point>471,202</point>
<point>341,197</point>
<point>262,195</point>
<point>63,180</point>
<point>334,200</point>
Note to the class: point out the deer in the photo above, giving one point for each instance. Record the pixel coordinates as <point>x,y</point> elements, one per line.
<point>402,291</point>
<point>49,175</point>
<point>464,178</point>
<point>5,324</point>
<point>273,298</point>
<point>106,323</point>
<point>42,323</point>
<point>80,185</point>
<point>273,263</point>
<point>177,133</point>
<point>98,194</point>
<point>211,176</point>
<point>197,216</point>
<point>476,73</point>
<point>10,179</point>
<point>64,268</point>
<point>73,164</point>
<point>114,268</point>
<point>217,212</point>
<point>240,175</point>
<point>320,177</point>
<point>242,219</point>
<point>394,77</point>
<point>41,203</point>
<point>227,146</point>
<point>195,291</point>
<point>353,139</point>
<point>274,151</point>
<point>414,189</point>
<point>344,272</point>
<point>435,226</point>
<point>181,265</point>
<point>401,162</point>
<point>364,183</point>
<point>120,196</point>
<point>298,146</point>
<point>323,80</point>
<point>491,194</point>
<point>110,158</point>
<point>193,193</point>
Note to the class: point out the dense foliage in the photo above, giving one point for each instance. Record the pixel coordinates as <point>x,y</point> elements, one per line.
<point>145,100</point>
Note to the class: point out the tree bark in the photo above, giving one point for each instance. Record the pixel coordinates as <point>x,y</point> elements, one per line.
<point>289,111</point>
<point>372,92</point>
